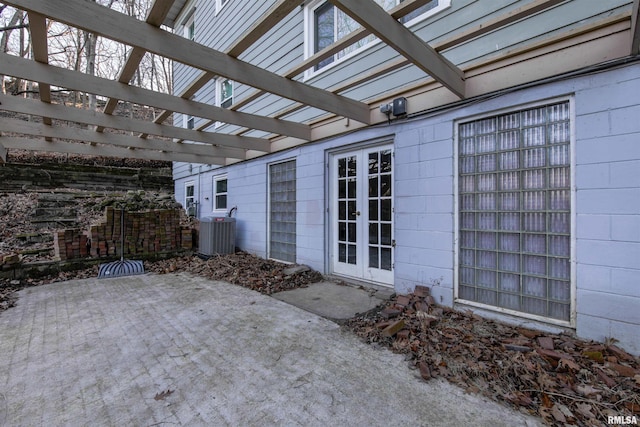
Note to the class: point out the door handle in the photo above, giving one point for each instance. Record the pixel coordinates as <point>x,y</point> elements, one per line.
<point>357,213</point>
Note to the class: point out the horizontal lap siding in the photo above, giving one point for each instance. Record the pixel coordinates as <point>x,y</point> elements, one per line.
<point>283,47</point>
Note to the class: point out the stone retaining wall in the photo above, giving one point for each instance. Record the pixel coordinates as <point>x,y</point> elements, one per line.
<point>17,177</point>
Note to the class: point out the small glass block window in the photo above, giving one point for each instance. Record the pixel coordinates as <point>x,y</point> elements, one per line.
<point>282,211</point>
<point>514,211</point>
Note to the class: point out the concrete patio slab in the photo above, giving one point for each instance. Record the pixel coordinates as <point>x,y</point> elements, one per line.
<point>155,350</point>
<point>335,300</point>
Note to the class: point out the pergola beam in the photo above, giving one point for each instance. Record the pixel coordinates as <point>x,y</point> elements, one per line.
<point>397,12</point>
<point>113,139</point>
<point>274,15</point>
<point>393,33</point>
<point>125,29</point>
<point>38,30</point>
<point>32,144</point>
<point>635,28</point>
<point>235,146</point>
<point>30,70</point>
<point>155,17</point>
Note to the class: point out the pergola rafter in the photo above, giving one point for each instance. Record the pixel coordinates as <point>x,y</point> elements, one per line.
<point>38,28</point>
<point>157,14</point>
<point>237,144</point>
<point>159,141</point>
<point>15,66</point>
<point>635,28</point>
<point>393,33</point>
<point>125,29</point>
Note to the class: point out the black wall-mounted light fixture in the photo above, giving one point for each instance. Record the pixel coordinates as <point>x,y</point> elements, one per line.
<point>397,108</point>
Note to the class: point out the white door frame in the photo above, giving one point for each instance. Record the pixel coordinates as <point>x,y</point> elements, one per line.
<point>340,230</point>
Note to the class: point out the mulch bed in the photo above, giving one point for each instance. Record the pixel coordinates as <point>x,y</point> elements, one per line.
<point>563,380</point>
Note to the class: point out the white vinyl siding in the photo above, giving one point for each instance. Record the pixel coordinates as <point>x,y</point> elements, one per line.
<point>514,211</point>
<point>220,4</point>
<point>326,24</point>
<point>282,211</point>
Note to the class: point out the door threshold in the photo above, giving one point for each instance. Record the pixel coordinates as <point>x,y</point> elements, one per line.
<point>383,290</point>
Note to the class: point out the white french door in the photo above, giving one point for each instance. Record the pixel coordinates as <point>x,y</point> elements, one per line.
<point>361,224</point>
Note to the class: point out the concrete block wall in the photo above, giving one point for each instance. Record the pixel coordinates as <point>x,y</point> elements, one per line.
<point>607,174</point>
<point>424,209</point>
<point>607,198</point>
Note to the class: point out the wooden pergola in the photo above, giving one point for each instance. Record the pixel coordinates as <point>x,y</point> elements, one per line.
<point>159,141</point>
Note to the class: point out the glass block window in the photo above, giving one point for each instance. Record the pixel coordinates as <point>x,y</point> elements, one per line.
<point>515,211</point>
<point>282,222</point>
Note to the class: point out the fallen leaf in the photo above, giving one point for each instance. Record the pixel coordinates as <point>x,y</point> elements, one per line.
<point>568,364</point>
<point>587,390</point>
<point>558,414</point>
<point>633,407</point>
<point>162,395</point>
<point>584,409</point>
<point>546,401</point>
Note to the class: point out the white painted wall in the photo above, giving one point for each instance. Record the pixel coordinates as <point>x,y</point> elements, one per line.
<point>607,209</point>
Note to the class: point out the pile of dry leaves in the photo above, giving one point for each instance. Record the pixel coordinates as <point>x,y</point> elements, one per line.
<point>241,268</point>
<point>563,380</point>
<point>262,275</point>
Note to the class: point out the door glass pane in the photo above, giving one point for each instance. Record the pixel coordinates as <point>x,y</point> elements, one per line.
<point>352,258</point>
<point>373,186</point>
<point>347,235</point>
<point>380,209</point>
<point>373,163</point>
<point>373,210</point>
<point>374,261</point>
<point>385,259</point>
<point>373,233</point>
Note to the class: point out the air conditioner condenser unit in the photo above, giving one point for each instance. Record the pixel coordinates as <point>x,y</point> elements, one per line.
<point>217,236</point>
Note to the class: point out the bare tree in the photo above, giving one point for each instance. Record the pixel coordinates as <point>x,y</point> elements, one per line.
<point>16,22</point>
<point>79,50</point>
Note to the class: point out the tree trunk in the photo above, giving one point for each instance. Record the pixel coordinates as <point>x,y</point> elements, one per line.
<point>4,39</point>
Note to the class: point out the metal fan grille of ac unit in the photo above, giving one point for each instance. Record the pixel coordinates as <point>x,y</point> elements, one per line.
<point>217,236</point>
